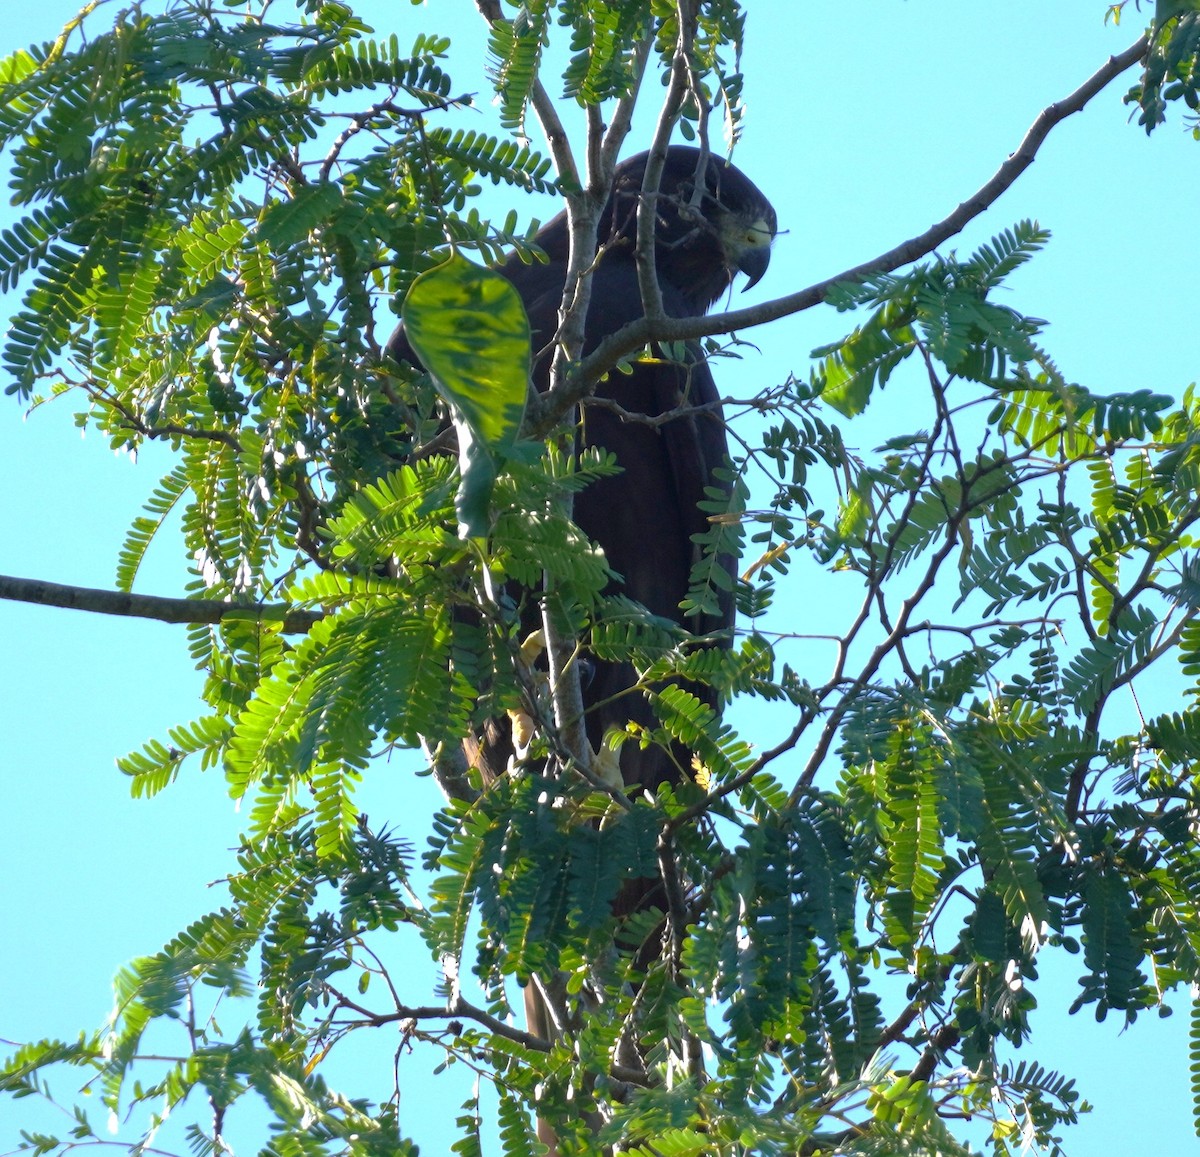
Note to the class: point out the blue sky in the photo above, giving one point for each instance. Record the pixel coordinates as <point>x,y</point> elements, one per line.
<point>867,122</point>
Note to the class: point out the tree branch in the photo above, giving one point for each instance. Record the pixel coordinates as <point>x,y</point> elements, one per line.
<point>454,1010</point>
<point>549,408</point>
<point>943,1039</point>
<point>647,206</point>
<point>164,610</point>
<point>621,120</point>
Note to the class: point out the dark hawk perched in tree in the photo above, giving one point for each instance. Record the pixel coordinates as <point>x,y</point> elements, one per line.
<point>711,224</point>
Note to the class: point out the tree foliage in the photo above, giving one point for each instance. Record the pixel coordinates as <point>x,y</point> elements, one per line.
<point>220,205</point>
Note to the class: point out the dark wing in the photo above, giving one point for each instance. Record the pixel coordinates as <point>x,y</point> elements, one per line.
<point>644,518</point>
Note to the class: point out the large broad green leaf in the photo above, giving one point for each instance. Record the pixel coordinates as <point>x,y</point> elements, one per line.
<point>468,327</point>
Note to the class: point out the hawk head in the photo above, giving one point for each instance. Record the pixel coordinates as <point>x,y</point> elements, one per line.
<point>712,223</point>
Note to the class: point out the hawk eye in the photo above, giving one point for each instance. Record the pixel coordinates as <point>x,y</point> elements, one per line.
<point>759,234</point>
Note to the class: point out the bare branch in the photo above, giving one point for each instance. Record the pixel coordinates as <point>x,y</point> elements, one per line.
<point>668,117</point>
<point>164,610</point>
<point>654,421</point>
<point>549,408</point>
<point>943,1039</point>
<point>622,116</point>
<point>456,1009</point>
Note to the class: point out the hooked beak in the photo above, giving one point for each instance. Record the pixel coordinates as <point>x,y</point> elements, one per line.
<point>753,263</point>
<point>756,253</point>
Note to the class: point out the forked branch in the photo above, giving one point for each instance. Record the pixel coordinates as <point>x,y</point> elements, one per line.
<point>548,410</point>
